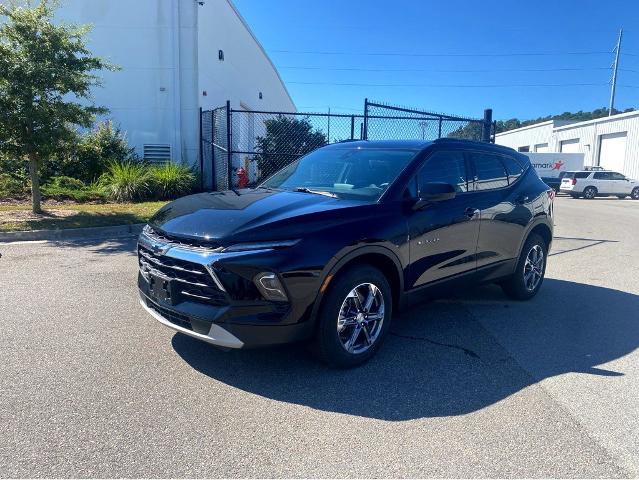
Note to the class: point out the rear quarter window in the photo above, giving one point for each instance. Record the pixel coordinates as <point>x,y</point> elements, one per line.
<point>514,168</point>
<point>581,175</point>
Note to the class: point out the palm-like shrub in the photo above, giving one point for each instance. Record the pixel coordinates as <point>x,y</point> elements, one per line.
<point>126,181</point>
<point>172,180</point>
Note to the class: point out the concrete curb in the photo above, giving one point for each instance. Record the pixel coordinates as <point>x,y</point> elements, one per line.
<point>73,233</point>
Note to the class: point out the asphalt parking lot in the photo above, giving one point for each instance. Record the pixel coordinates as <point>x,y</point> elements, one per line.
<point>473,385</point>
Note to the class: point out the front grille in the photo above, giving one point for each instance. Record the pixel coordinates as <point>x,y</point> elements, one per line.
<point>173,317</point>
<point>182,242</point>
<point>192,281</point>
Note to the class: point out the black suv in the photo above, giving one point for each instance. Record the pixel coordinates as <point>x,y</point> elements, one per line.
<point>333,244</point>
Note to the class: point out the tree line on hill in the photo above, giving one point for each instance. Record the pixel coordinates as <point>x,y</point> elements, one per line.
<point>580,116</point>
<point>472,131</point>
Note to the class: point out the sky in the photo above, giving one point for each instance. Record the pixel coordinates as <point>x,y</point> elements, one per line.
<point>521,58</point>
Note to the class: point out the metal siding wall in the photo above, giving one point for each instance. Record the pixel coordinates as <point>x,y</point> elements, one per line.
<point>529,137</point>
<point>591,134</point>
<point>586,141</point>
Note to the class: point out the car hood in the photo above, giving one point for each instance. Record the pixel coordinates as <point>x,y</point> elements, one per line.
<point>252,215</point>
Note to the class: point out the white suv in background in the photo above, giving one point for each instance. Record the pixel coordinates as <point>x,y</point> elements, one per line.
<point>591,184</point>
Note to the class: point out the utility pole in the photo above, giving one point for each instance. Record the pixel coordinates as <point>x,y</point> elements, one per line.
<point>614,73</point>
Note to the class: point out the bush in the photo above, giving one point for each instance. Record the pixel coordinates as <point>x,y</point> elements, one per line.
<point>67,188</point>
<point>126,181</point>
<point>10,187</point>
<point>67,182</point>
<point>88,154</point>
<point>172,180</point>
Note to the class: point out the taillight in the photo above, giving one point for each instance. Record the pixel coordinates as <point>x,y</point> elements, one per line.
<point>574,181</point>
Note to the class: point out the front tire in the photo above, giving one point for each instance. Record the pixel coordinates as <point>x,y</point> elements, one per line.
<point>354,317</point>
<point>529,273</point>
<point>635,193</point>
<point>590,193</point>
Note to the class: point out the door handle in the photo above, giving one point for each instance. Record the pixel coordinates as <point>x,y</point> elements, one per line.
<point>471,212</point>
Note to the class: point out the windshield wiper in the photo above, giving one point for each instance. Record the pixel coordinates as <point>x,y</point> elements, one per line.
<point>317,192</point>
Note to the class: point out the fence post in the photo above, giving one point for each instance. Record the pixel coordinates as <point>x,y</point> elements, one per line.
<point>487,125</point>
<point>439,135</point>
<point>229,150</point>
<point>352,127</point>
<point>201,152</point>
<point>365,128</point>
<point>213,179</point>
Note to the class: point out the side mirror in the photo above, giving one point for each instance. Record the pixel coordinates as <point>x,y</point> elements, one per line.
<point>434,192</point>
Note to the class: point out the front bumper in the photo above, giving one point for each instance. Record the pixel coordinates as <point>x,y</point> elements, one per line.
<point>227,334</point>
<point>215,336</point>
<point>209,295</point>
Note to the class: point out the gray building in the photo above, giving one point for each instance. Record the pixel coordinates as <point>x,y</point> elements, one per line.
<point>610,142</point>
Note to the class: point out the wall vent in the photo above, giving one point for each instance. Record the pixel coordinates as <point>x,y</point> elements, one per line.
<point>157,152</point>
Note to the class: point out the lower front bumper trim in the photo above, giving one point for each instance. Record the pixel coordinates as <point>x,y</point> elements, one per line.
<point>216,336</point>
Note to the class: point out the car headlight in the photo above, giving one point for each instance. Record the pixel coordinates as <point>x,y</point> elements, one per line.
<point>244,247</point>
<point>270,286</point>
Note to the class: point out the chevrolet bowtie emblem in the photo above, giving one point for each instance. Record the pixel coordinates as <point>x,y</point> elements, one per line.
<point>160,248</point>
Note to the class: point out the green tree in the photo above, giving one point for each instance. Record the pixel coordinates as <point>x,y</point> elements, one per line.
<point>470,131</point>
<point>46,71</point>
<point>286,139</point>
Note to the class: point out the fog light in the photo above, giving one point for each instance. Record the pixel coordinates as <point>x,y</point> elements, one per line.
<point>270,287</point>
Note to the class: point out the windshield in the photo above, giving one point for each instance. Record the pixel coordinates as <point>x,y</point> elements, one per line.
<point>343,172</point>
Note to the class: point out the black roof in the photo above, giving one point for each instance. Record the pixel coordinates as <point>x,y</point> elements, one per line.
<point>418,144</point>
<point>406,144</point>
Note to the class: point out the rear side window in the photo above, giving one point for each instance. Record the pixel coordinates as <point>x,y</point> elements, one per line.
<point>446,167</point>
<point>490,173</point>
<point>602,176</point>
<point>514,168</point>
<point>581,175</point>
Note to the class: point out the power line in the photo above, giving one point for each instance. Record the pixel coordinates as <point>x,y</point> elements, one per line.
<point>363,69</point>
<point>434,85</point>
<point>401,54</point>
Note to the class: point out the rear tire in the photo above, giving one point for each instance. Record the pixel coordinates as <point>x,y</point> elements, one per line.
<point>526,281</point>
<point>590,193</point>
<point>348,331</point>
<point>621,197</point>
<point>635,193</point>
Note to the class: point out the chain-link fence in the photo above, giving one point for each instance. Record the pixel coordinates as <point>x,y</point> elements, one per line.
<point>264,142</point>
<point>385,122</point>
<point>242,147</point>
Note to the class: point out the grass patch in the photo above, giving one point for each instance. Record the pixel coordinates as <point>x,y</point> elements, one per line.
<point>18,216</point>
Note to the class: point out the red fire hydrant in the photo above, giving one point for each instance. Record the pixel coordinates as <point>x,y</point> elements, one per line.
<point>242,178</point>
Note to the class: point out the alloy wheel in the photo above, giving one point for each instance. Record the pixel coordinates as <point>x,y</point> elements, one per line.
<point>360,318</point>
<point>533,267</point>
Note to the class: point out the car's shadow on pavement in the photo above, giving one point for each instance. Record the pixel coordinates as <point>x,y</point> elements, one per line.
<point>440,360</point>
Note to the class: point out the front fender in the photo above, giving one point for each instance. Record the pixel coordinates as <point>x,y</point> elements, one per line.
<point>345,257</point>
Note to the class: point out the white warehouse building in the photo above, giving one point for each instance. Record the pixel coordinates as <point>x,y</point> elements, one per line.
<point>176,56</point>
<point>610,142</point>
